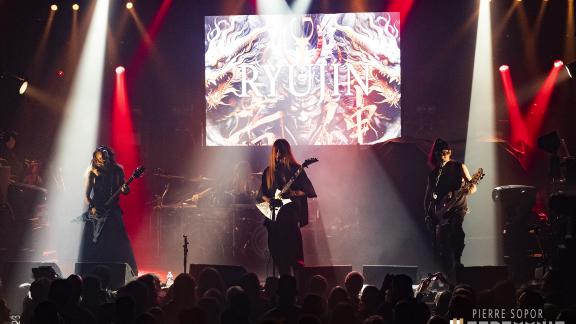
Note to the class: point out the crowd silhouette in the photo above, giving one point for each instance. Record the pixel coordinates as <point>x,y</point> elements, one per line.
<point>207,300</point>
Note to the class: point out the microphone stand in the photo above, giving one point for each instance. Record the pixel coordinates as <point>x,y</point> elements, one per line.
<point>185,246</point>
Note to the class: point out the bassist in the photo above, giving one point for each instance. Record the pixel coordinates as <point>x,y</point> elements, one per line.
<point>105,176</point>
<point>284,236</point>
<point>443,181</point>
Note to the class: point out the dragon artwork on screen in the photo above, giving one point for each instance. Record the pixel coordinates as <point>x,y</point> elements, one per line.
<point>324,79</point>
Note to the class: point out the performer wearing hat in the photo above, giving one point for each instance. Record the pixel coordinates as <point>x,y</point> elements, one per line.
<point>446,177</point>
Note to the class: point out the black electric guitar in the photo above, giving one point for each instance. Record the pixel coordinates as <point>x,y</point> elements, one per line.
<point>440,208</point>
<point>268,210</point>
<point>98,217</point>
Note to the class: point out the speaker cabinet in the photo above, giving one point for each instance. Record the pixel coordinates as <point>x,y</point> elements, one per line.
<point>374,274</point>
<point>120,273</point>
<point>481,278</point>
<point>16,273</point>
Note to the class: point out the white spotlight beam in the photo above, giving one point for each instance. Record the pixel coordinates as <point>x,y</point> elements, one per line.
<point>76,140</point>
<point>301,6</point>
<point>481,226</point>
<point>272,7</point>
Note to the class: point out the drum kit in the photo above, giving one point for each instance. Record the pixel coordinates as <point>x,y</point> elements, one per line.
<point>209,192</point>
<point>20,198</point>
<point>211,205</point>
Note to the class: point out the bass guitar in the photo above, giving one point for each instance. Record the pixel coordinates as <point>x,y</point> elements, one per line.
<point>455,198</point>
<point>270,211</point>
<point>98,217</point>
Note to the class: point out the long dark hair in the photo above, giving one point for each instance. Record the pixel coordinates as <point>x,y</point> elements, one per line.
<point>108,154</point>
<point>283,147</point>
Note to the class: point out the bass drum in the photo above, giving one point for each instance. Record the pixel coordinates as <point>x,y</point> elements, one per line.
<point>255,249</point>
<point>250,239</point>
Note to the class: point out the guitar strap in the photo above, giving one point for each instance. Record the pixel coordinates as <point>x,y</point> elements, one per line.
<point>434,195</point>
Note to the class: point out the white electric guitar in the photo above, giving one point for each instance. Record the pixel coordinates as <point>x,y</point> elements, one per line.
<point>269,211</point>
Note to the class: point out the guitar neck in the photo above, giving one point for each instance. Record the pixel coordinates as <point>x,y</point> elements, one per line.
<point>117,192</point>
<point>292,179</point>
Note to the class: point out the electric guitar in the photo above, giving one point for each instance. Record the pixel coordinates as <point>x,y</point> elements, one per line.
<point>98,218</point>
<point>267,209</point>
<point>442,207</point>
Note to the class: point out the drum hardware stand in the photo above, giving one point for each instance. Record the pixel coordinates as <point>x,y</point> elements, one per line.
<point>164,194</point>
<point>273,224</point>
<point>185,247</point>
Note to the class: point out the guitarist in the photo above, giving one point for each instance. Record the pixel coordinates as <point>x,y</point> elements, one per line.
<point>447,177</point>
<point>105,176</point>
<point>284,236</point>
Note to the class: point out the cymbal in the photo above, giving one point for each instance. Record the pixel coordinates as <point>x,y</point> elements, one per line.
<point>200,179</point>
<point>168,176</point>
<point>177,177</point>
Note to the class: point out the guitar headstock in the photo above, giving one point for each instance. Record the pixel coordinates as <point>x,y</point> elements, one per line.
<point>479,175</point>
<point>309,161</point>
<point>138,172</point>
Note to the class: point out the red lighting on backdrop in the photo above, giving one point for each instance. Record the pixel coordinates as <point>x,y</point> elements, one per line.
<point>125,143</point>
<point>403,7</point>
<point>152,32</point>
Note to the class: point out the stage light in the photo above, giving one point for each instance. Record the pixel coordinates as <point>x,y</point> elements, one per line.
<point>53,7</point>
<point>120,70</point>
<point>571,68</point>
<point>129,5</point>
<point>75,7</point>
<point>558,63</point>
<point>504,68</point>
<point>12,82</point>
<point>60,73</point>
<point>23,87</point>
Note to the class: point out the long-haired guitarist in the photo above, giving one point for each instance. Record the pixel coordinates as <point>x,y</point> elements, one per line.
<point>104,178</point>
<point>447,177</point>
<point>284,237</point>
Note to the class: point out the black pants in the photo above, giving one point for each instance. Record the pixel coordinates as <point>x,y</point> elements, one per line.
<point>449,241</point>
<point>285,240</point>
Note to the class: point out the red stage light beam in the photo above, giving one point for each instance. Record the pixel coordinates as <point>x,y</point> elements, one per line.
<point>535,116</point>
<point>403,7</point>
<point>148,39</point>
<point>125,143</point>
<point>518,133</point>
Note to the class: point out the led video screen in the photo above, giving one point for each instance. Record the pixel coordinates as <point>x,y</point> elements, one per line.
<point>318,79</point>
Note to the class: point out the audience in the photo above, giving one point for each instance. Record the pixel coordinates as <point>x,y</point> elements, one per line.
<point>84,300</point>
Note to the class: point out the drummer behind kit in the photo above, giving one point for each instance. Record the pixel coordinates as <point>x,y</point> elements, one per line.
<point>20,199</point>
<point>223,208</point>
<point>242,188</point>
